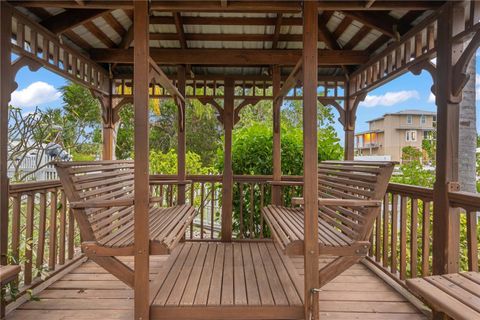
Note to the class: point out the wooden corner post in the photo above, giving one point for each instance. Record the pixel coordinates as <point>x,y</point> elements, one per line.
<point>182,147</point>
<point>277,148</point>
<point>141,181</point>
<point>5,90</point>
<point>227,190</point>
<point>310,154</point>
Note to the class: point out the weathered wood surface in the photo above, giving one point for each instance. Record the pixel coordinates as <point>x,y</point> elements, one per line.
<point>457,295</point>
<point>89,292</point>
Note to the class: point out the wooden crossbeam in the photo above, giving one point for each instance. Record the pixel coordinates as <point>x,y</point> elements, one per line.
<point>229,37</point>
<point>70,19</point>
<point>291,81</point>
<point>230,56</point>
<point>233,6</point>
<point>276,32</point>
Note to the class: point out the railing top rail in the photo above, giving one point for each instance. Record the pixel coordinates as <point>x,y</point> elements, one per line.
<point>466,200</point>
<point>33,186</point>
<point>413,191</point>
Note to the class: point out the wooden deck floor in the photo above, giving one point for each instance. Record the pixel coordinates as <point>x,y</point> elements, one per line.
<point>89,292</point>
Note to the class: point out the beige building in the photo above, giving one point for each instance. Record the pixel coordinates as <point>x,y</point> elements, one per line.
<point>387,135</point>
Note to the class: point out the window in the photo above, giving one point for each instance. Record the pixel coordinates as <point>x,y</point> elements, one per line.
<point>411,136</point>
<point>409,119</point>
<point>434,121</point>
<point>423,119</point>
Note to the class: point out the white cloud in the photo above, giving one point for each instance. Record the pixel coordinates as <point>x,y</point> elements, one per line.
<point>431,98</point>
<point>35,94</point>
<point>390,98</point>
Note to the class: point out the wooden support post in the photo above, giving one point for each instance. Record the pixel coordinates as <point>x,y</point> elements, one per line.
<point>5,90</point>
<point>108,147</point>
<point>446,219</point>
<point>277,148</point>
<point>227,190</point>
<point>349,123</point>
<point>310,154</point>
<point>181,156</point>
<point>141,72</point>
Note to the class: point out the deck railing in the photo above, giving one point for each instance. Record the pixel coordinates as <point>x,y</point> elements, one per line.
<point>44,239</point>
<point>42,235</point>
<point>402,235</point>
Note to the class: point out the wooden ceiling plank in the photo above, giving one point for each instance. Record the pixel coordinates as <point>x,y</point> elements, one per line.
<point>114,24</point>
<point>276,31</point>
<point>343,25</point>
<point>359,36</point>
<point>99,34</point>
<point>70,19</point>
<point>230,57</point>
<point>41,13</point>
<point>377,43</point>
<point>77,40</point>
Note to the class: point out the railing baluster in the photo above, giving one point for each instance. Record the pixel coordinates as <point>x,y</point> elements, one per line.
<point>27,271</point>
<point>71,234</point>
<point>403,237</point>
<point>192,202</point>
<point>41,230</point>
<point>252,210</point>
<point>52,245</point>
<point>212,211</point>
<point>472,241</point>
<point>16,203</point>
<point>241,210</point>
<point>378,226</point>
<point>262,196</point>
<point>413,238</point>
<point>386,215</point>
<point>393,242</point>
<point>202,206</point>
<point>426,239</point>
<point>63,214</point>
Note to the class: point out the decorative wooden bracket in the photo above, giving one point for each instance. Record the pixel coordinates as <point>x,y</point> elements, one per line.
<point>18,64</point>
<point>160,78</point>
<point>341,111</point>
<point>428,66</point>
<point>293,79</point>
<point>460,77</point>
<point>351,114</point>
<point>247,101</point>
<point>212,102</point>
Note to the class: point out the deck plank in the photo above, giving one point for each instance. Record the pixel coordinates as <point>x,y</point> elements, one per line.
<point>89,292</point>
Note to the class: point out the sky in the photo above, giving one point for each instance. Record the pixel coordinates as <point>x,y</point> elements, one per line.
<point>41,88</point>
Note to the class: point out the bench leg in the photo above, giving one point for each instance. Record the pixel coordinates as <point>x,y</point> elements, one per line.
<point>116,268</point>
<point>336,267</point>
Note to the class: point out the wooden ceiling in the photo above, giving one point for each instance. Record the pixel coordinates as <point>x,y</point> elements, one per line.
<point>246,34</point>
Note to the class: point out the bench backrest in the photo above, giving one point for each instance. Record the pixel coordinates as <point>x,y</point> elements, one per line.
<point>358,180</point>
<point>98,180</point>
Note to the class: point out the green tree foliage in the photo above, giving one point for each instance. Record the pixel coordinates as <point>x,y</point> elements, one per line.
<point>166,163</point>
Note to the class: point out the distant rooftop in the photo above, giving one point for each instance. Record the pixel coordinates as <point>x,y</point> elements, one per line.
<point>413,112</point>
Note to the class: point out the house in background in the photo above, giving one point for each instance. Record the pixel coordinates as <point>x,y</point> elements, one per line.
<point>389,134</point>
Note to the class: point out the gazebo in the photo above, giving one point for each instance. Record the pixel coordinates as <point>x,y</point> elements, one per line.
<point>226,54</point>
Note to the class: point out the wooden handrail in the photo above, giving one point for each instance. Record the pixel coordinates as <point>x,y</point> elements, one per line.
<point>341,202</point>
<point>466,200</point>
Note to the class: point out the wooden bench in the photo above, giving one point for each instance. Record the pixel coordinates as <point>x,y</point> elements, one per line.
<point>350,194</point>
<point>457,295</point>
<point>101,196</point>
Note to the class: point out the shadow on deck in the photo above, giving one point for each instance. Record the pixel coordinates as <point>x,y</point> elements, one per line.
<point>227,286</point>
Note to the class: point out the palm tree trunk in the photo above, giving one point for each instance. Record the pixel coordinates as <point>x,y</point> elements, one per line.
<point>468,134</point>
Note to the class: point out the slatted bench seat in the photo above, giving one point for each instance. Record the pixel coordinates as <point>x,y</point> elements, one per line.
<point>457,295</point>
<point>350,194</point>
<point>101,196</point>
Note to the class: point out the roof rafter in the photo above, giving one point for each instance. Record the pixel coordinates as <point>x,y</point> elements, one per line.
<point>381,22</point>
<point>276,31</point>
<point>99,34</point>
<point>70,19</point>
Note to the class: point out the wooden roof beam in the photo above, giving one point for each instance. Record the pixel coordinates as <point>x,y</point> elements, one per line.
<point>233,6</point>
<point>70,19</point>
<point>229,57</point>
<point>276,31</point>
<point>381,22</point>
<point>99,34</point>
<point>180,32</point>
<point>327,36</point>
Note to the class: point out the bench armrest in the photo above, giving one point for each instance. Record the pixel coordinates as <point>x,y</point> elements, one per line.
<point>341,202</point>
<point>8,273</point>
